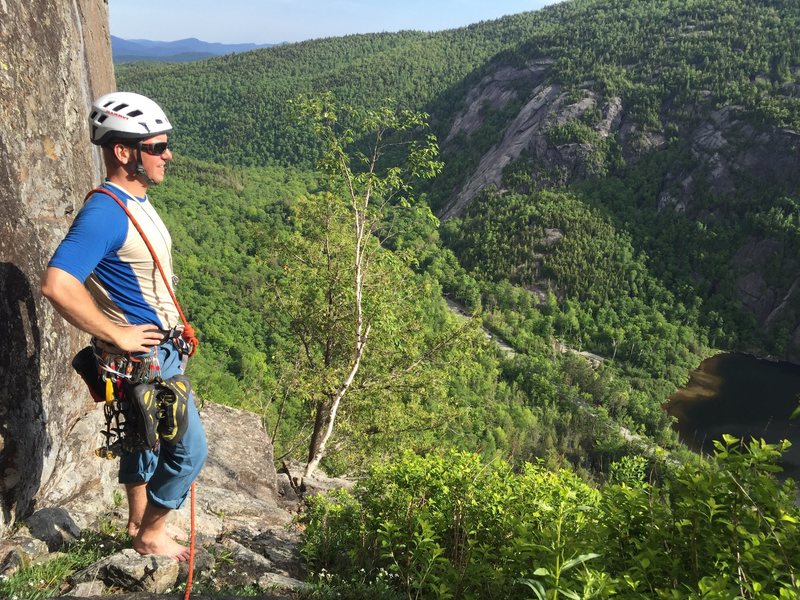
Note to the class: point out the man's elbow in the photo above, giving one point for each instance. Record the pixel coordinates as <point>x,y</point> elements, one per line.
<point>46,285</point>
<point>53,284</point>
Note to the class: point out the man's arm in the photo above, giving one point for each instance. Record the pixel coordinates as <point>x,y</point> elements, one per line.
<point>73,301</point>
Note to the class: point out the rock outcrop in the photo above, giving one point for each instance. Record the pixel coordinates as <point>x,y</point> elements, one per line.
<point>244,513</point>
<point>54,57</point>
<point>731,156</point>
<point>545,106</point>
<point>731,147</point>
<point>559,136</point>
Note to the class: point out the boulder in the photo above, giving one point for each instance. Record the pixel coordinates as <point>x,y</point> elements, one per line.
<point>54,526</point>
<point>237,489</point>
<point>131,571</point>
<point>19,551</point>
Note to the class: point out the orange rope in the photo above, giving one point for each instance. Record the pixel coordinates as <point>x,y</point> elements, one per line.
<point>191,551</point>
<point>187,334</point>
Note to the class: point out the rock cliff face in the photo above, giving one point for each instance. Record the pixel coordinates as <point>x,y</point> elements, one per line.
<point>55,56</point>
<point>561,137</point>
<point>530,134</point>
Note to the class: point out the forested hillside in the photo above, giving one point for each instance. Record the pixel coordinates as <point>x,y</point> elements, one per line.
<point>685,111</point>
<point>242,100</point>
<point>238,234</point>
<point>671,52</point>
<point>620,177</point>
<point>650,213</point>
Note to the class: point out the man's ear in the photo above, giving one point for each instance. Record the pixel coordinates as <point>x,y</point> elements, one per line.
<point>122,153</point>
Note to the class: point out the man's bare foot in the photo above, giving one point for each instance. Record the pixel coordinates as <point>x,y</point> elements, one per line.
<point>176,533</point>
<point>160,544</point>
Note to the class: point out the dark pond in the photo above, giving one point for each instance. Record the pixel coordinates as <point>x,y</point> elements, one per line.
<point>743,396</point>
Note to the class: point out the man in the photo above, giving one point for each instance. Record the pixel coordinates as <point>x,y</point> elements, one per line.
<point>102,279</point>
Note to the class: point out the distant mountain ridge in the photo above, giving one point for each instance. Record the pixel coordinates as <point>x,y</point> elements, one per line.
<point>185,50</point>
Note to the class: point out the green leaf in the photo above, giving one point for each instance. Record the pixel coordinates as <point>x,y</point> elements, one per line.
<point>578,560</point>
<point>729,439</point>
<point>537,588</point>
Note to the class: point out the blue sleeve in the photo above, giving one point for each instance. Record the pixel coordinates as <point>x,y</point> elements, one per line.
<point>99,229</point>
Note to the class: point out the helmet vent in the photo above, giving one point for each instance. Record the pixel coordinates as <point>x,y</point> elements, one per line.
<point>109,103</point>
<point>159,121</point>
<point>102,118</point>
<point>135,113</point>
<point>119,107</point>
<point>93,115</point>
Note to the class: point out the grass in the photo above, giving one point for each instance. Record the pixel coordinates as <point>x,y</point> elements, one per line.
<point>46,579</point>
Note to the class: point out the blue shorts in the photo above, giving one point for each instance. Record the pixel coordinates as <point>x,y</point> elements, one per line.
<point>170,470</point>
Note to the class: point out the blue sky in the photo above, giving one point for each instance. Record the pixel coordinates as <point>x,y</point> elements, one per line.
<point>274,21</point>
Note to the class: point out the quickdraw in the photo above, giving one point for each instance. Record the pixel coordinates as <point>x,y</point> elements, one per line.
<point>120,434</point>
<point>118,374</point>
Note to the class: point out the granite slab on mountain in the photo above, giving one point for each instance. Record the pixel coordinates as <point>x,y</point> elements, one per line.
<point>54,56</point>
<point>545,105</point>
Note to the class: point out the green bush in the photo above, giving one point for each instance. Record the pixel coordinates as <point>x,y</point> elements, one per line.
<point>451,526</point>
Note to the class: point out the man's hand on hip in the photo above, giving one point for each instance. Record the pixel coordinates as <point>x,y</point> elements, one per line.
<point>137,338</point>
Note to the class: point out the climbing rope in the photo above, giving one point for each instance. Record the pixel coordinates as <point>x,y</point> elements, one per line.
<point>191,549</point>
<point>187,334</point>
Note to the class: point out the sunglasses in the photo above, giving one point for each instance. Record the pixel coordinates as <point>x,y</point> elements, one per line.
<point>156,149</point>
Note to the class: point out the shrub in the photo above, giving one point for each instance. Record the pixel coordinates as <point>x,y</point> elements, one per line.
<point>450,526</point>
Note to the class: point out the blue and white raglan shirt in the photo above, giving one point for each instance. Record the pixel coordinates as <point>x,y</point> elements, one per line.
<point>104,251</point>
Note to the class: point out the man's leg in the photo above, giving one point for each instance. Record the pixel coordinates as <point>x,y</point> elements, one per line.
<point>171,480</point>
<point>135,469</point>
<point>179,465</point>
<point>168,487</point>
<point>137,502</point>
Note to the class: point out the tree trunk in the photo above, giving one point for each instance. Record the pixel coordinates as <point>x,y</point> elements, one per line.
<point>325,419</point>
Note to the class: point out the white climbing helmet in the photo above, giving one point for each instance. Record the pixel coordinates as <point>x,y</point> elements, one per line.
<point>126,115</point>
